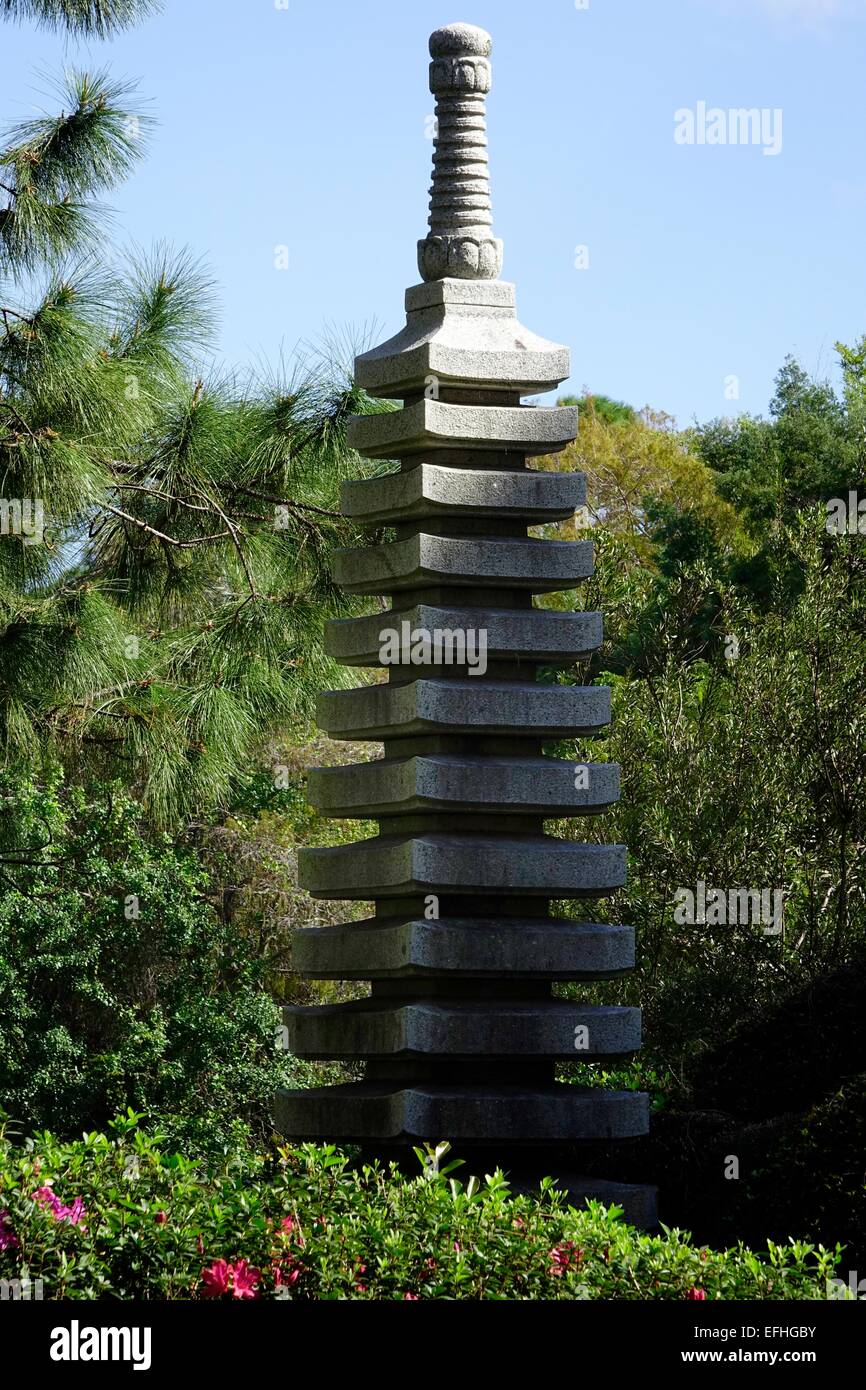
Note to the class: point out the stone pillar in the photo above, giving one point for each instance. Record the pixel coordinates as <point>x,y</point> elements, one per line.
<point>461,1034</point>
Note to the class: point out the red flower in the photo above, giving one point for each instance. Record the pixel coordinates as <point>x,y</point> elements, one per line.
<point>240,1279</point>
<point>73,1214</point>
<point>45,1196</point>
<point>565,1257</point>
<point>8,1238</point>
<point>286,1273</point>
<point>215,1280</point>
<point>161,1217</point>
<point>245,1280</point>
<point>696,1294</point>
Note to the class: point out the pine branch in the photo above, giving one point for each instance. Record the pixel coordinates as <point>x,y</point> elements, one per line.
<point>292,504</point>
<point>91,146</point>
<point>52,165</point>
<point>169,540</point>
<point>100,18</point>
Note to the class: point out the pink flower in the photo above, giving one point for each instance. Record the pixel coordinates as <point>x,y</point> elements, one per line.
<point>288,1225</point>
<point>245,1280</point>
<point>565,1257</point>
<point>46,1197</point>
<point>696,1294</point>
<point>215,1280</point>
<point>73,1214</point>
<point>411,1297</point>
<point>8,1238</point>
<point>286,1273</point>
<point>241,1279</point>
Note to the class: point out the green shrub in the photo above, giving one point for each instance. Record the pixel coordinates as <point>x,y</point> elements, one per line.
<point>119,1215</point>
<point>120,982</point>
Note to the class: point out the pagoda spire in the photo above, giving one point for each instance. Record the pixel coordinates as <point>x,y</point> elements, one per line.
<point>461,243</point>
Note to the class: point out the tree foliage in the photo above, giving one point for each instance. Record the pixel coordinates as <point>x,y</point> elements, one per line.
<point>100,18</point>
<point>167,532</point>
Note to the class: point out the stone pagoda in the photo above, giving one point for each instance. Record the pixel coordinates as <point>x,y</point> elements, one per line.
<point>461,1033</point>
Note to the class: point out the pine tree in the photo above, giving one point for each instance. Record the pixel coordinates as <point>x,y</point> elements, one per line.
<point>166,534</point>
<point>99,18</point>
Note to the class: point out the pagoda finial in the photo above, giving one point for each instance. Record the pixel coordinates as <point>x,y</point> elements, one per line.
<point>460,243</point>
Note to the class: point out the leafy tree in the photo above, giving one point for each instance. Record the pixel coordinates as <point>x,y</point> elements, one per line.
<point>614,412</point>
<point>808,451</point>
<point>747,772</point>
<point>120,981</point>
<point>166,534</point>
<point>635,463</point>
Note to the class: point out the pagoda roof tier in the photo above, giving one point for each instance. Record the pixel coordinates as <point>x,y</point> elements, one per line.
<point>459,782</point>
<point>474,864</point>
<point>427,425</point>
<point>430,490</point>
<point>488,562</point>
<point>537,947</point>
<point>462,333</point>
<point>368,1028</point>
<point>520,709</point>
<point>531,634</point>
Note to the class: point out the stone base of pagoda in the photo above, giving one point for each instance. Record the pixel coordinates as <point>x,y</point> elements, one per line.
<point>530,1133</point>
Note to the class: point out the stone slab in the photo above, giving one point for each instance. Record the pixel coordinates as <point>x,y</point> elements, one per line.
<point>532,635</point>
<point>521,865</point>
<point>466,339</point>
<point>456,782</point>
<point>367,1030</point>
<point>427,425</point>
<point>523,709</point>
<point>431,490</point>
<point>539,948</point>
<point>368,1110</point>
<point>421,561</point>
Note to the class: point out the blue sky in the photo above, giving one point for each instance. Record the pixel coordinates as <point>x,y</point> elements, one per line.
<point>303,124</point>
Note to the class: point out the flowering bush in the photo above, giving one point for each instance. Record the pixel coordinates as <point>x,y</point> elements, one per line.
<point>117,1215</point>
